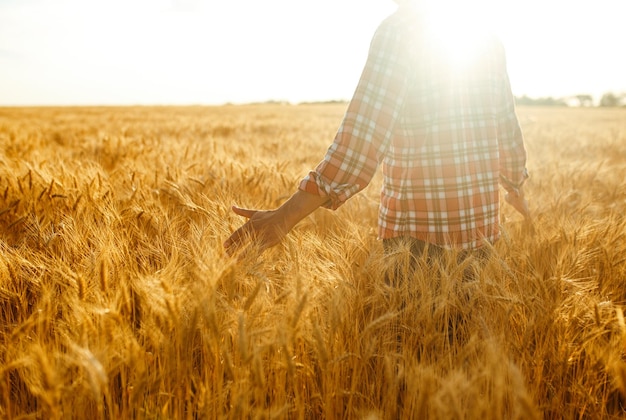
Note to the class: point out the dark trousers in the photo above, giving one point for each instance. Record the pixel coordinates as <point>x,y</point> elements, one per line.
<point>405,263</point>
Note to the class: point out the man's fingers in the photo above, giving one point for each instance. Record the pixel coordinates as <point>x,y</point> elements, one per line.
<point>241,235</point>
<point>244,212</point>
<point>236,239</point>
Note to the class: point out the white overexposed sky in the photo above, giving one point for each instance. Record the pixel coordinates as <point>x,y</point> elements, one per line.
<point>92,52</point>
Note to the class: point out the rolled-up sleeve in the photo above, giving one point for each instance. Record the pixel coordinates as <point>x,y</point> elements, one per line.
<point>363,137</point>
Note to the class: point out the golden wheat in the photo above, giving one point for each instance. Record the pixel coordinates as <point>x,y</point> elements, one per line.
<point>118,301</point>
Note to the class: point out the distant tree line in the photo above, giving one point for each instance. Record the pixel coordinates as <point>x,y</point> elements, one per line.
<point>609,99</point>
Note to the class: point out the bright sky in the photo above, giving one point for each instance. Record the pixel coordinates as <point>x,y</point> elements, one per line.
<point>79,52</point>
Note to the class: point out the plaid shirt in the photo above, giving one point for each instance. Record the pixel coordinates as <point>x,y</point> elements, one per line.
<point>445,132</point>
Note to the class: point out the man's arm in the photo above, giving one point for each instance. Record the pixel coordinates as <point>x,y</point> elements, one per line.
<point>513,171</point>
<point>353,158</point>
<point>370,120</point>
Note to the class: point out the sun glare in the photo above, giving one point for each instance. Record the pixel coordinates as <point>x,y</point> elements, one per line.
<point>455,27</point>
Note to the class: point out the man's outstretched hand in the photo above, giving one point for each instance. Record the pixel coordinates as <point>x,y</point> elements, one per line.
<point>264,228</point>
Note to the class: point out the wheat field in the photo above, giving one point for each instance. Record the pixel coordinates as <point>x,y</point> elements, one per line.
<point>117,300</point>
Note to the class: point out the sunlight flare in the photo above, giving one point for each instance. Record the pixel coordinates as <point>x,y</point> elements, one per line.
<point>456,28</point>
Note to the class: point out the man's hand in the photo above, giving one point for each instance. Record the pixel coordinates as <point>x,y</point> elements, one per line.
<point>265,228</point>
<point>518,202</point>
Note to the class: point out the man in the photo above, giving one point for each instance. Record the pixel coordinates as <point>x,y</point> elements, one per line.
<point>444,130</point>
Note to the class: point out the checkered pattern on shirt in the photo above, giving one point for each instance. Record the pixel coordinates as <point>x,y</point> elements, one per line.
<point>444,131</point>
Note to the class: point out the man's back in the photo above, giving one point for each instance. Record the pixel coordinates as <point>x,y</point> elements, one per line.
<point>442,122</point>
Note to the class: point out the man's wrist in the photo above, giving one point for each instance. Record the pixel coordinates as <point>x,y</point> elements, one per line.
<point>299,206</point>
